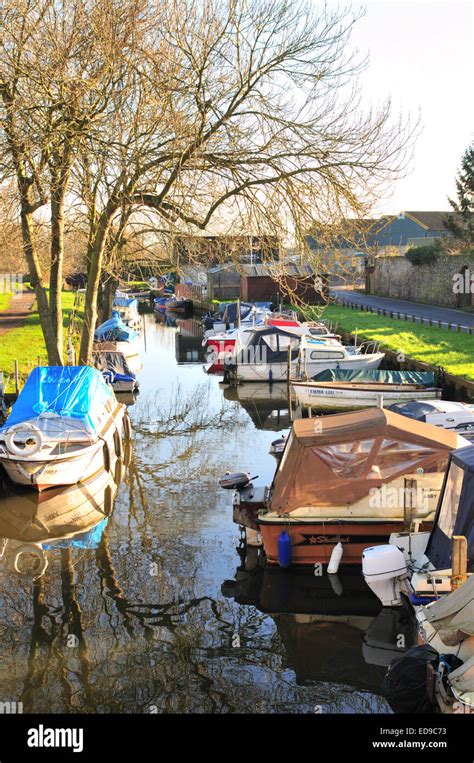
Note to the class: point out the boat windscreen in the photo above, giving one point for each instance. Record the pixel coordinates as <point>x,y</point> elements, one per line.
<point>455,515</point>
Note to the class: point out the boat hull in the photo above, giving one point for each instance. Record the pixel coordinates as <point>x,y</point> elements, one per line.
<point>312,542</point>
<point>265,372</point>
<point>337,397</point>
<point>72,468</point>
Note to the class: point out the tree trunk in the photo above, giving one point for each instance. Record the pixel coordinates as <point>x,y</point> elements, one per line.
<point>57,259</point>
<point>36,278</point>
<point>95,256</point>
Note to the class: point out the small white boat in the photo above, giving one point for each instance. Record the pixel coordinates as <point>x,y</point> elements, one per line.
<point>448,414</point>
<point>115,370</point>
<point>64,428</point>
<point>128,349</point>
<point>338,390</point>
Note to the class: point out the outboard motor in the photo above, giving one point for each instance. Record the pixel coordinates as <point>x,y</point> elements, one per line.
<point>384,568</point>
<point>234,480</point>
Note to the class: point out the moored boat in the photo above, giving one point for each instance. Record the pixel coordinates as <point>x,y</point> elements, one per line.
<point>448,414</point>
<point>336,389</point>
<point>347,478</point>
<point>273,351</point>
<point>435,573</point>
<point>63,428</point>
<point>115,370</point>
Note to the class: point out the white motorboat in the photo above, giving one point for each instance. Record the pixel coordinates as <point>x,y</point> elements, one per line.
<point>435,573</point>
<point>64,428</point>
<point>448,414</point>
<point>274,350</point>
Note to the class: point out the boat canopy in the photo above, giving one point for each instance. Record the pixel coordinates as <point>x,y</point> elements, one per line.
<point>422,378</point>
<point>230,313</point>
<point>338,459</point>
<point>453,616</point>
<point>115,363</point>
<point>73,392</point>
<point>130,302</point>
<point>115,330</point>
<point>455,513</point>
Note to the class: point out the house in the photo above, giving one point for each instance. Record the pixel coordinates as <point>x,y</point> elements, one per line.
<point>371,235</point>
<point>291,282</point>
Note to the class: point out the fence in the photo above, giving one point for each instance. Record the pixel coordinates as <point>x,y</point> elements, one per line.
<point>189,291</point>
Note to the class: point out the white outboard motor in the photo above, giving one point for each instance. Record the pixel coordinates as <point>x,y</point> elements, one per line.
<point>384,568</point>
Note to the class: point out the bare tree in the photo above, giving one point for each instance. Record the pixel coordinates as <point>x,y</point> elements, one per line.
<point>218,116</point>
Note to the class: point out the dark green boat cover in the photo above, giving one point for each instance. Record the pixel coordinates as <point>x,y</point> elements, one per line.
<point>425,378</point>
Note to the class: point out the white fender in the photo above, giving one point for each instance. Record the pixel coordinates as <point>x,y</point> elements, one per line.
<point>28,450</point>
<point>335,559</point>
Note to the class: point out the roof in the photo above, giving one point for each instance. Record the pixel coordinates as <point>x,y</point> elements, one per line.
<point>347,427</point>
<point>278,270</point>
<point>429,220</point>
<point>338,462</point>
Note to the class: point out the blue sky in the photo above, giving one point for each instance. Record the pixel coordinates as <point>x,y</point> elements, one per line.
<point>421,54</point>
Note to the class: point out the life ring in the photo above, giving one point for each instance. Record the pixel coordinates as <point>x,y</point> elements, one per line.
<point>27,450</point>
<point>35,550</point>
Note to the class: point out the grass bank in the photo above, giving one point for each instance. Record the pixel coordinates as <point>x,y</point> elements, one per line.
<point>26,343</point>
<point>437,347</point>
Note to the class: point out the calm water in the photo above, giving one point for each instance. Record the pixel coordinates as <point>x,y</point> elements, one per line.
<point>157,611</point>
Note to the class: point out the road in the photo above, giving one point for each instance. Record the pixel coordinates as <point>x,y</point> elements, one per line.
<point>444,314</point>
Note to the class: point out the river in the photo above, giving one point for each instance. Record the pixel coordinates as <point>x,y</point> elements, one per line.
<point>160,611</point>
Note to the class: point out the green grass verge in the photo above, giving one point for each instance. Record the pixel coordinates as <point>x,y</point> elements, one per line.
<point>437,347</point>
<point>26,343</point>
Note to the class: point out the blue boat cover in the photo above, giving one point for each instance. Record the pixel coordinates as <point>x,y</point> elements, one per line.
<point>115,330</point>
<point>424,378</point>
<point>89,539</point>
<point>76,392</point>
<point>126,302</point>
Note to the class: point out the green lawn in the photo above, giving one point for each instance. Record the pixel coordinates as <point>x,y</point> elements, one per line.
<point>438,347</point>
<point>26,343</point>
<point>4,301</point>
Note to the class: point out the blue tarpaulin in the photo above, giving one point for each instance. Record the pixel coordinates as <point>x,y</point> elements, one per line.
<point>131,302</point>
<point>76,392</point>
<point>89,539</point>
<point>425,378</point>
<point>115,330</point>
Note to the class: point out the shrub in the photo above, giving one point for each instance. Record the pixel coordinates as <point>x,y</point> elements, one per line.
<point>423,255</point>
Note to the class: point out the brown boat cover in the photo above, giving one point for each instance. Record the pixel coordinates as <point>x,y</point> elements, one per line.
<point>336,460</point>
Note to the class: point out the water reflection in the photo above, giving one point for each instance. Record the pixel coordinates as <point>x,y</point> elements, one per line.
<point>135,619</point>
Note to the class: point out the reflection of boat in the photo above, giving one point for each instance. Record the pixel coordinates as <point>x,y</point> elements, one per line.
<point>337,389</point>
<point>64,428</point>
<point>57,513</point>
<point>332,627</point>
<point>436,572</point>
<point>343,479</point>
<point>266,404</point>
